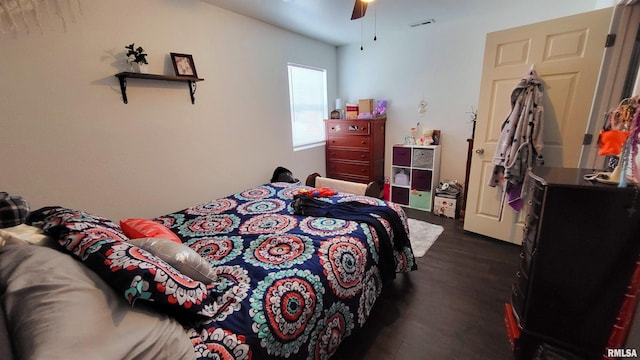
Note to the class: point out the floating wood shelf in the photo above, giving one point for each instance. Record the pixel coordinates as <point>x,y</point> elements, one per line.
<point>191,80</point>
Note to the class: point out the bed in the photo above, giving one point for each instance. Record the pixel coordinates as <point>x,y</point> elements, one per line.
<point>280,284</point>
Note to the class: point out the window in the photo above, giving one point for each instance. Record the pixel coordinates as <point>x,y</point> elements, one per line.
<point>308,98</point>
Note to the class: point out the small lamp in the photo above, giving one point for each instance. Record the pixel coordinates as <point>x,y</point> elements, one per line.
<point>340,108</point>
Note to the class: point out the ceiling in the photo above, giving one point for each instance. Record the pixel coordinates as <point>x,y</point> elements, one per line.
<point>330,20</point>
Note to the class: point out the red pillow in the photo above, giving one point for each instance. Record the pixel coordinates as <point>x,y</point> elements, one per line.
<point>145,228</point>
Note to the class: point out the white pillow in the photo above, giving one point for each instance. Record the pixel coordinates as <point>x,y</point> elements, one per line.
<point>180,256</point>
<point>23,234</point>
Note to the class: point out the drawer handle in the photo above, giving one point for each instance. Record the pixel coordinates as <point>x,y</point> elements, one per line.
<point>362,170</point>
<point>363,142</point>
<point>362,156</point>
<point>530,202</point>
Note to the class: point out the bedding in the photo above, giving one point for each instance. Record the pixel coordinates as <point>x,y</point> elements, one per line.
<point>284,285</point>
<point>23,233</point>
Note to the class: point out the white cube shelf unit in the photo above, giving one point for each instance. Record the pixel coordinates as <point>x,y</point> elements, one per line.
<point>415,174</point>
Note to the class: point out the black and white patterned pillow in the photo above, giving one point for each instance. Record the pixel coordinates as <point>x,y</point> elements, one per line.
<point>133,272</point>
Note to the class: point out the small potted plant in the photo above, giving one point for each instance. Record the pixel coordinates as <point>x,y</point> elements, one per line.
<point>137,58</point>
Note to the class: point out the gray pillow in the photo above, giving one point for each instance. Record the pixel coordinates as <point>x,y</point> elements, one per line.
<point>5,341</point>
<point>57,308</point>
<point>180,256</point>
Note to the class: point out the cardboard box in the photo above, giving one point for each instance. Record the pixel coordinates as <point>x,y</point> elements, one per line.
<point>365,106</point>
<point>447,207</point>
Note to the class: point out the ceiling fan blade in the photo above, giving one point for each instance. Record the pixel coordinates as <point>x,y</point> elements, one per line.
<point>359,9</point>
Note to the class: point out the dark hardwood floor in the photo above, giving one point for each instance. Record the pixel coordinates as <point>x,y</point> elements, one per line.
<point>452,307</point>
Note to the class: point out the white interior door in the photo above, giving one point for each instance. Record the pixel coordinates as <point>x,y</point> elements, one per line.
<point>567,55</point>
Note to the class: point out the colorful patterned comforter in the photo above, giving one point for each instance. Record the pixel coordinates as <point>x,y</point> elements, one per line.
<point>293,286</point>
<point>287,286</point>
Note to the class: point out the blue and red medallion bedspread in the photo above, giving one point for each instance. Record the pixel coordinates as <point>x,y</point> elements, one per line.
<point>287,286</point>
<point>293,286</point>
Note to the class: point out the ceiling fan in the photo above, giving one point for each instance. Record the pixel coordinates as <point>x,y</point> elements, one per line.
<point>359,8</point>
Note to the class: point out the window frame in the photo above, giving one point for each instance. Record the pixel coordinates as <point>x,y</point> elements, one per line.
<point>322,108</point>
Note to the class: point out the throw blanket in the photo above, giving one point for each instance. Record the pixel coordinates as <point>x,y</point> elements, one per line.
<point>356,211</point>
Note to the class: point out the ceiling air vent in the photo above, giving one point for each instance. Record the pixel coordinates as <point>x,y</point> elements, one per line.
<point>423,22</point>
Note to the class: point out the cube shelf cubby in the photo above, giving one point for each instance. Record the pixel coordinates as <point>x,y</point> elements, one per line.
<point>415,173</point>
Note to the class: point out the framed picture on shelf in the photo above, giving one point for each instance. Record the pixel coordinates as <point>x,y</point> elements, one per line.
<point>183,65</point>
<point>436,137</point>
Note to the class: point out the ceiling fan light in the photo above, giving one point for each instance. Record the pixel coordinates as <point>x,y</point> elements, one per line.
<point>368,1</point>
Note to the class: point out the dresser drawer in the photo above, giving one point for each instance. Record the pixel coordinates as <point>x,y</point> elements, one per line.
<point>348,128</point>
<point>525,260</point>
<point>337,167</point>
<point>530,232</point>
<point>535,192</point>
<point>353,155</point>
<point>526,254</point>
<point>534,205</point>
<point>521,283</point>
<point>517,303</point>
<point>519,291</point>
<point>349,141</point>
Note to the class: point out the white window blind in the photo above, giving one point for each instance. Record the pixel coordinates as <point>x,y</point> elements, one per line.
<point>308,99</point>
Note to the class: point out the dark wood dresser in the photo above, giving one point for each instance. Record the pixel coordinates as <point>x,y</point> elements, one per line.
<point>580,248</point>
<point>355,149</point>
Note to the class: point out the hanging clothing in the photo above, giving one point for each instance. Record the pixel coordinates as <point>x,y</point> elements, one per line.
<point>520,144</point>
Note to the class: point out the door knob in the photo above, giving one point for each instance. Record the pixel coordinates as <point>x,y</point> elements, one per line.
<point>480,151</point>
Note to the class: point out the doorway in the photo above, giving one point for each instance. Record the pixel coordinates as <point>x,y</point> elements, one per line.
<point>567,54</point>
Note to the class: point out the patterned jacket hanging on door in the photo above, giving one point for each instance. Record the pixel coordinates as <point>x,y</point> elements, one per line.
<point>520,144</point>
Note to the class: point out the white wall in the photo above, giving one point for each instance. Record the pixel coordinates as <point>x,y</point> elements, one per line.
<point>66,138</point>
<point>440,63</point>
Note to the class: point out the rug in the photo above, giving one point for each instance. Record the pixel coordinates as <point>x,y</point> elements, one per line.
<point>422,235</point>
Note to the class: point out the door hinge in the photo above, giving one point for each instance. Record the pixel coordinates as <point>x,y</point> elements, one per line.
<point>588,138</point>
<point>611,40</point>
